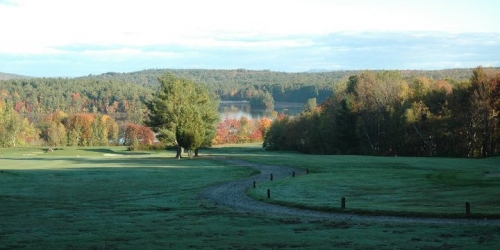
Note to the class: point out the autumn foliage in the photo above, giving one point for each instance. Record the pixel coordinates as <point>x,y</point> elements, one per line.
<point>136,134</point>
<point>80,129</point>
<point>382,113</point>
<point>234,130</point>
<point>14,129</point>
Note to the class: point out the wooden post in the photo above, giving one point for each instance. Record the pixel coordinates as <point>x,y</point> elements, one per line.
<point>467,208</point>
<point>269,193</point>
<point>342,206</point>
<point>254,184</point>
<point>271,177</point>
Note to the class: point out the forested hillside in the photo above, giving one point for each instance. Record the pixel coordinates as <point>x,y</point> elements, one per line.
<point>410,112</point>
<point>384,113</point>
<point>40,96</point>
<point>121,95</point>
<point>112,93</point>
<point>241,84</point>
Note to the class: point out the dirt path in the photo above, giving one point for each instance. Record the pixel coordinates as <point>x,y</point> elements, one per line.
<point>232,195</point>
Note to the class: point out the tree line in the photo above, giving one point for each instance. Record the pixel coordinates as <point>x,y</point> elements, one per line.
<point>121,95</point>
<point>370,112</point>
<point>383,113</point>
<point>37,97</point>
<point>56,129</point>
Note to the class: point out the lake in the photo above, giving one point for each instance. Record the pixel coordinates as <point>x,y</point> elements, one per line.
<point>238,109</point>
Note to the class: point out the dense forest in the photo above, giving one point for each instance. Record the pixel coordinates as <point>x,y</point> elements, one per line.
<point>384,113</point>
<point>119,92</point>
<point>35,97</point>
<point>409,112</point>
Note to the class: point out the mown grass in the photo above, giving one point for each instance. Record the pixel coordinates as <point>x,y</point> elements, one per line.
<point>109,198</point>
<point>411,186</point>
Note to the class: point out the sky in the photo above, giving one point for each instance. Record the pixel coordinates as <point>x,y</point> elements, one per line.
<point>61,38</point>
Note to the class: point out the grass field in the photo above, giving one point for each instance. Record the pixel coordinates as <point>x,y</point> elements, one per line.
<point>410,186</point>
<point>109,198</point>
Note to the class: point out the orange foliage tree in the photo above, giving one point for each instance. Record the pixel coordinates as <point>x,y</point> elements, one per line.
<point>82,129</point>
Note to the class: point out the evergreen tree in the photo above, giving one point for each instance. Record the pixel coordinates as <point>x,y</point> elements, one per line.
<point>183,113</point>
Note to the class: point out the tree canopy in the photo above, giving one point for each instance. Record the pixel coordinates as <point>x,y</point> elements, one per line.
<point>14,129</point>
<point>382,113</point>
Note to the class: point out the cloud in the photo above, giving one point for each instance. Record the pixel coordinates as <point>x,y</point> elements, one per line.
<point>8,2</point>
<point>43,38</point>
<point>395,50</point>
<point>336,51</point>
<point>140,23</point>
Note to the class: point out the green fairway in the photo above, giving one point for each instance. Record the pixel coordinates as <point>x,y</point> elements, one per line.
<point>388,185</point>
<point>109,198</point>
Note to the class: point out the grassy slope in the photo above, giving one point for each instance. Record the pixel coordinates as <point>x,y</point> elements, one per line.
<point>109,199</point>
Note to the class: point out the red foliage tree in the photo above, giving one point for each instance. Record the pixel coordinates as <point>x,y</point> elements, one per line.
<point>226,131</point>
<point>136,134</point>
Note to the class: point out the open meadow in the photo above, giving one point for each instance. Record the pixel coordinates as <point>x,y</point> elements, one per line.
<point>110,198</point>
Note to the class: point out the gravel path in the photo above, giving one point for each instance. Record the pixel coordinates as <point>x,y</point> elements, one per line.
<point>232,196</point>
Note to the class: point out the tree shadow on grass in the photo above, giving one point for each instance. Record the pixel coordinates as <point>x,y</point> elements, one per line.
<point>109,151</point>
<point>231,150</point>
<point>116,162</point>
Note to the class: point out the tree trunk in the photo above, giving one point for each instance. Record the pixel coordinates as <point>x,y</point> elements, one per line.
<point>179,152</point>
<point>196,153</point>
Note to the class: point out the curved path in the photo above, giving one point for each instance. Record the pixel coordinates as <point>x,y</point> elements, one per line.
<point>232,195</point>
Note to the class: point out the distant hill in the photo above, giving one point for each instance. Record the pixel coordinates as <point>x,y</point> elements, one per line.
<point>7,76</point>
<point>149,77</point>
<point>236,84</point>
<point>242,84</point>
